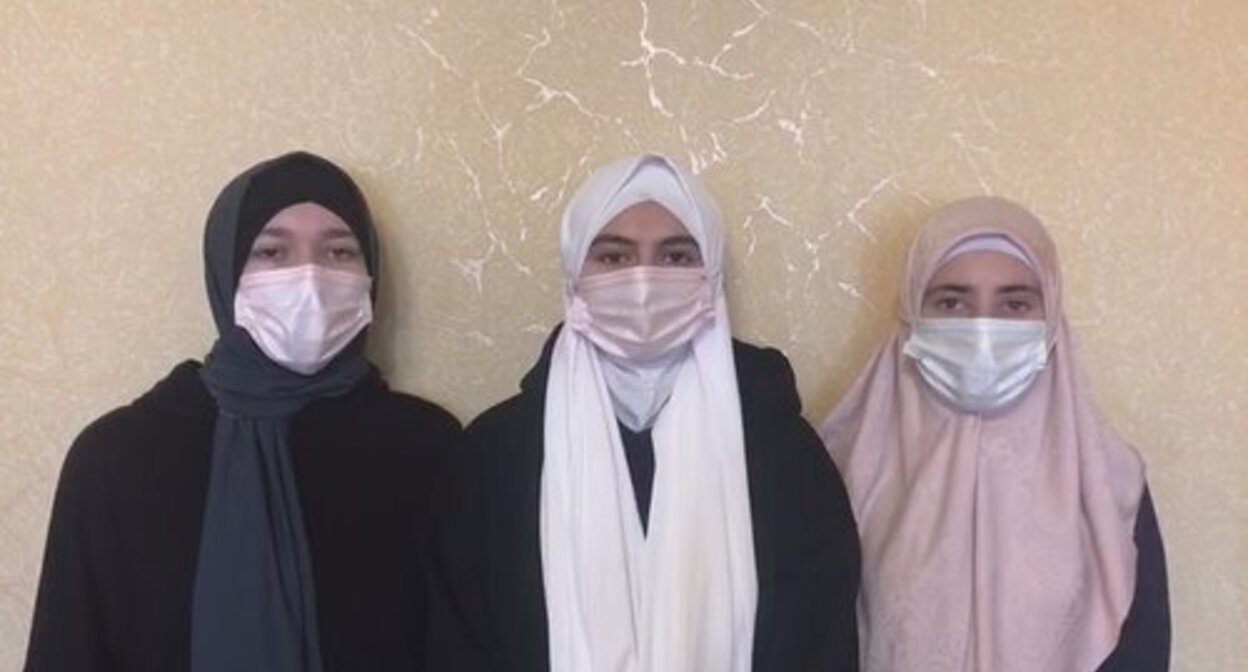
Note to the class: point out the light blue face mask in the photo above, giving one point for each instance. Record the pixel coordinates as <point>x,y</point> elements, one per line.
<point>979,365</point>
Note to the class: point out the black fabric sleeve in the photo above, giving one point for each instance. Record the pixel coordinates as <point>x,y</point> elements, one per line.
<point>70,626</point>
<point>816,590</point>
<point>1144,643</point>
<point>818,570</point>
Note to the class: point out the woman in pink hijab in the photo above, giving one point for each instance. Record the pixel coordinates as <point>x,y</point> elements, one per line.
<point>1005,526</point>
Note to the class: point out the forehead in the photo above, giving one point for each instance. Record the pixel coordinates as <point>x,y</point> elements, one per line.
<point>644,222</point>
<point>305,219</point>
<point>984,270</point>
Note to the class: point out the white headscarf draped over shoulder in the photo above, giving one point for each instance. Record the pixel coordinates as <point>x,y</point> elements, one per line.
<point>682,597</point>
<point>990,543</point>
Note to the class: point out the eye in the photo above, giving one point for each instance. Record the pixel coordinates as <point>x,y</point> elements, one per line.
<point>343,253</point>
<point>681,258</point>
<point>613,258</point>
<point>267,252</point>
<point>948,304</point>
<point>1018,306</point>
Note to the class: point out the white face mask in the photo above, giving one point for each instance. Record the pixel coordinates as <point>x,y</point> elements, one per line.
<point>979,365</point>
<point>302,317</point>
<point>642,313</point>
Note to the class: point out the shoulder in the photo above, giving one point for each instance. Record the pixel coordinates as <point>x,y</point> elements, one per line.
<point>178,401</point>
<point>374,405</point>
<point>765,376</point>
<point>394,437</point>
<point>417,410</point>
<point>120,441</point>
<point>500,420</point>
<point>772,412</point>
<point>517,415</point>
<point>503,445</point>
<point>502,453</point>
<point>102,447</point>
<point>758,357</point>
<point>775,431</point>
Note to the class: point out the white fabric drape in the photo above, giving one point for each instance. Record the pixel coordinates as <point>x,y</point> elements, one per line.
<point>683,596</point>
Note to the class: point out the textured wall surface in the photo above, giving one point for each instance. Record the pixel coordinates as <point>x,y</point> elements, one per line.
<point>828,130</point>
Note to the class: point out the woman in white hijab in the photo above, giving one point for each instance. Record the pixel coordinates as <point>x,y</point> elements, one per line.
<point>651,500</point>
<point>1005,526</point>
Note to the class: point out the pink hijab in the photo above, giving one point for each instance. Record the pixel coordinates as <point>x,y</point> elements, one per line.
<point>990,543</point>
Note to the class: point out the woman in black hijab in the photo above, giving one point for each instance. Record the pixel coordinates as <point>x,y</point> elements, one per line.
<point>265,510</point>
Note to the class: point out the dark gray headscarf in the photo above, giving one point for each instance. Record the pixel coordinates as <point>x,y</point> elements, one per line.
<point>254,607</point>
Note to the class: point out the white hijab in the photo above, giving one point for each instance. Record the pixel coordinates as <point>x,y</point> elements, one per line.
<point>683,597</point>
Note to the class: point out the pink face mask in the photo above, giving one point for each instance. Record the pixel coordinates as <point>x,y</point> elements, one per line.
<point>644,312</point>
<point>302,317</point>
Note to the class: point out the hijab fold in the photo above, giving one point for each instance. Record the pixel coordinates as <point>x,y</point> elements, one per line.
<point>999,543</point>
<point>683,596</point>
<point>254,603</point>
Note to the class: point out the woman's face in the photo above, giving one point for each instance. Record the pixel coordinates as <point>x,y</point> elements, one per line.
<point>645,234</point>
<point>302,234</point>
<point>984,284</point>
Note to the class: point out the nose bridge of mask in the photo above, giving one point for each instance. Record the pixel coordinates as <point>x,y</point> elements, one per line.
<point>985,352</point>
<point>978,374</point>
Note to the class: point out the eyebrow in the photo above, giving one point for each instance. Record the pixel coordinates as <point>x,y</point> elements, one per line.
<point>678,240</point>
<point>611,239</point>
<point>275,231</point>
<point>949,287</point>
<point>335,234</point>
<point>283,232</point>
<point>1010,289</point>
<point>966,289</point>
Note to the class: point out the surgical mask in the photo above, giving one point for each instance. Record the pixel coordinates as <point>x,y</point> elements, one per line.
<point>302,317</point>
<point>978,365</point>
<point>641,313</point>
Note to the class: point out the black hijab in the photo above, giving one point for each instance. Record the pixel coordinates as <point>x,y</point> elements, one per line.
<point>254,607</point>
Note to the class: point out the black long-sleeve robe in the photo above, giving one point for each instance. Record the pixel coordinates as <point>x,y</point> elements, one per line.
<point>115,593</point>
<point>488,576</point>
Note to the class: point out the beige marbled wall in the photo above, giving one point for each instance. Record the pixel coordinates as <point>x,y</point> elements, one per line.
<point>827,129</point>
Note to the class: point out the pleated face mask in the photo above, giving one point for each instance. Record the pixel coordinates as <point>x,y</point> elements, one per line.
<point>978,365</point>
<point>642,313</point>
<point>302,317</point>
